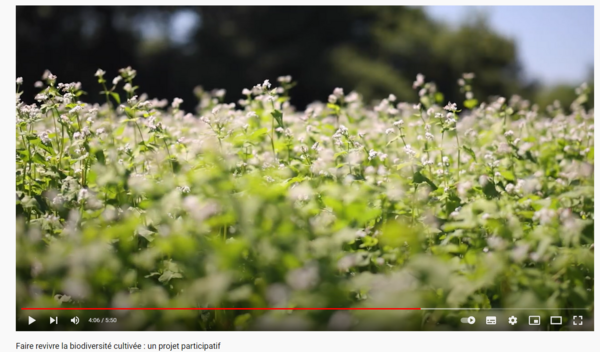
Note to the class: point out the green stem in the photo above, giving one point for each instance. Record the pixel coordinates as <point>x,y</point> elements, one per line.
<point>169,153</point>
<point>273,137</point>
<point>458,158</point>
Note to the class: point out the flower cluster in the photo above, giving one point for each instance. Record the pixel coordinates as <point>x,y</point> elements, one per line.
<point>346,204</point>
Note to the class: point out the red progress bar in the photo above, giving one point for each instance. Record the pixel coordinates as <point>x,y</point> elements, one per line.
<point>220,308</point>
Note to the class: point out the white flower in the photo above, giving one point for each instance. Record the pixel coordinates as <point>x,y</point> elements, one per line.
<point>75,109</point>
<point>463,188</point>
<point>352,97</point>
<point>183,189</point>
<point>246,91</point>
<point>372,154</point>
<point>445,160</point>
<point>176,103</point>
<point>428,136</point>
<point>332,99</point>
<point>38,84</point>
<point>398,123</point>
<point>41,97</point>
<point>419,81</point>
<point>468,75</point>
<point>509,133</point>
<point>391,97</point>
<point>116,80</point>
<point>99,73</point>
<point>44,137</point>
<point>20,80</point>
<point>266,84</point>
<point>544,215</point>
<point>128,88</point>
<point>83,195</point>
<point>219,93</point>
<point>450,107</point>
<point>284,79</point>
<point>510,188</point>
<point>389,130</point>
<point>338,92</point>
<point>409,151</point>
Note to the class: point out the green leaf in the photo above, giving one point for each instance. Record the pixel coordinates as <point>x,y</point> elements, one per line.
<point>403,165</point>
<point>418,177</point>
<point>343,152</point>
<point>490,189</point>
<point>259,133</point>
<point>470,103</point>
<point>508,175</point>
<point>116,97</point>
<point>168,275</point>
<point>100,156</point>
<point>334,107</point>
<point>119,131</point>
<point>39,159</point>
<point>278,116</point>
<point>469,151</point>
<point>40,144</point>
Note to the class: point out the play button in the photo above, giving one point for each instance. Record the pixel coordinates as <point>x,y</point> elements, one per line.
<point>31,320</point>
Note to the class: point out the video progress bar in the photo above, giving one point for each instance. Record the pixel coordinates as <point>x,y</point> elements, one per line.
<point>278,308</point>
<point>486,309</point>
<point>310,308</point>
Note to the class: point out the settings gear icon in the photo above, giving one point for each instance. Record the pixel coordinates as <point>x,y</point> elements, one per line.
<point>512,320</point>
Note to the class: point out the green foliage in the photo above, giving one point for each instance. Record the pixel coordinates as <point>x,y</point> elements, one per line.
<point>346,204</point>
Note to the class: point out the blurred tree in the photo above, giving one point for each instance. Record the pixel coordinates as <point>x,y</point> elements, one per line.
<point>374,50</point>
<point>565,94</point>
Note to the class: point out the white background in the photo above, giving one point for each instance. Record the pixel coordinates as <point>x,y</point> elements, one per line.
<point>238,341</point>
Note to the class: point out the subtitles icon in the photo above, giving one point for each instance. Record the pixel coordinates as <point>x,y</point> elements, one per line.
<point>490,320</point>
<point>554,320</point>
<point>534,320</point>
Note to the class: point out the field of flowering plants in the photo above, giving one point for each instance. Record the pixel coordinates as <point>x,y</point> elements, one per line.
<point>253,204</point>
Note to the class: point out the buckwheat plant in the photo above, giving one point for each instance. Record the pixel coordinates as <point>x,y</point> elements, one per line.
<point>138,203</point>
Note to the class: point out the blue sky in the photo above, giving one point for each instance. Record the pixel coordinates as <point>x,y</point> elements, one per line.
<point>555,43</point>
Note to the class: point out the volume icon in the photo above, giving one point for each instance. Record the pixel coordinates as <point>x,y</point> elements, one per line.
<point>75,320</point>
